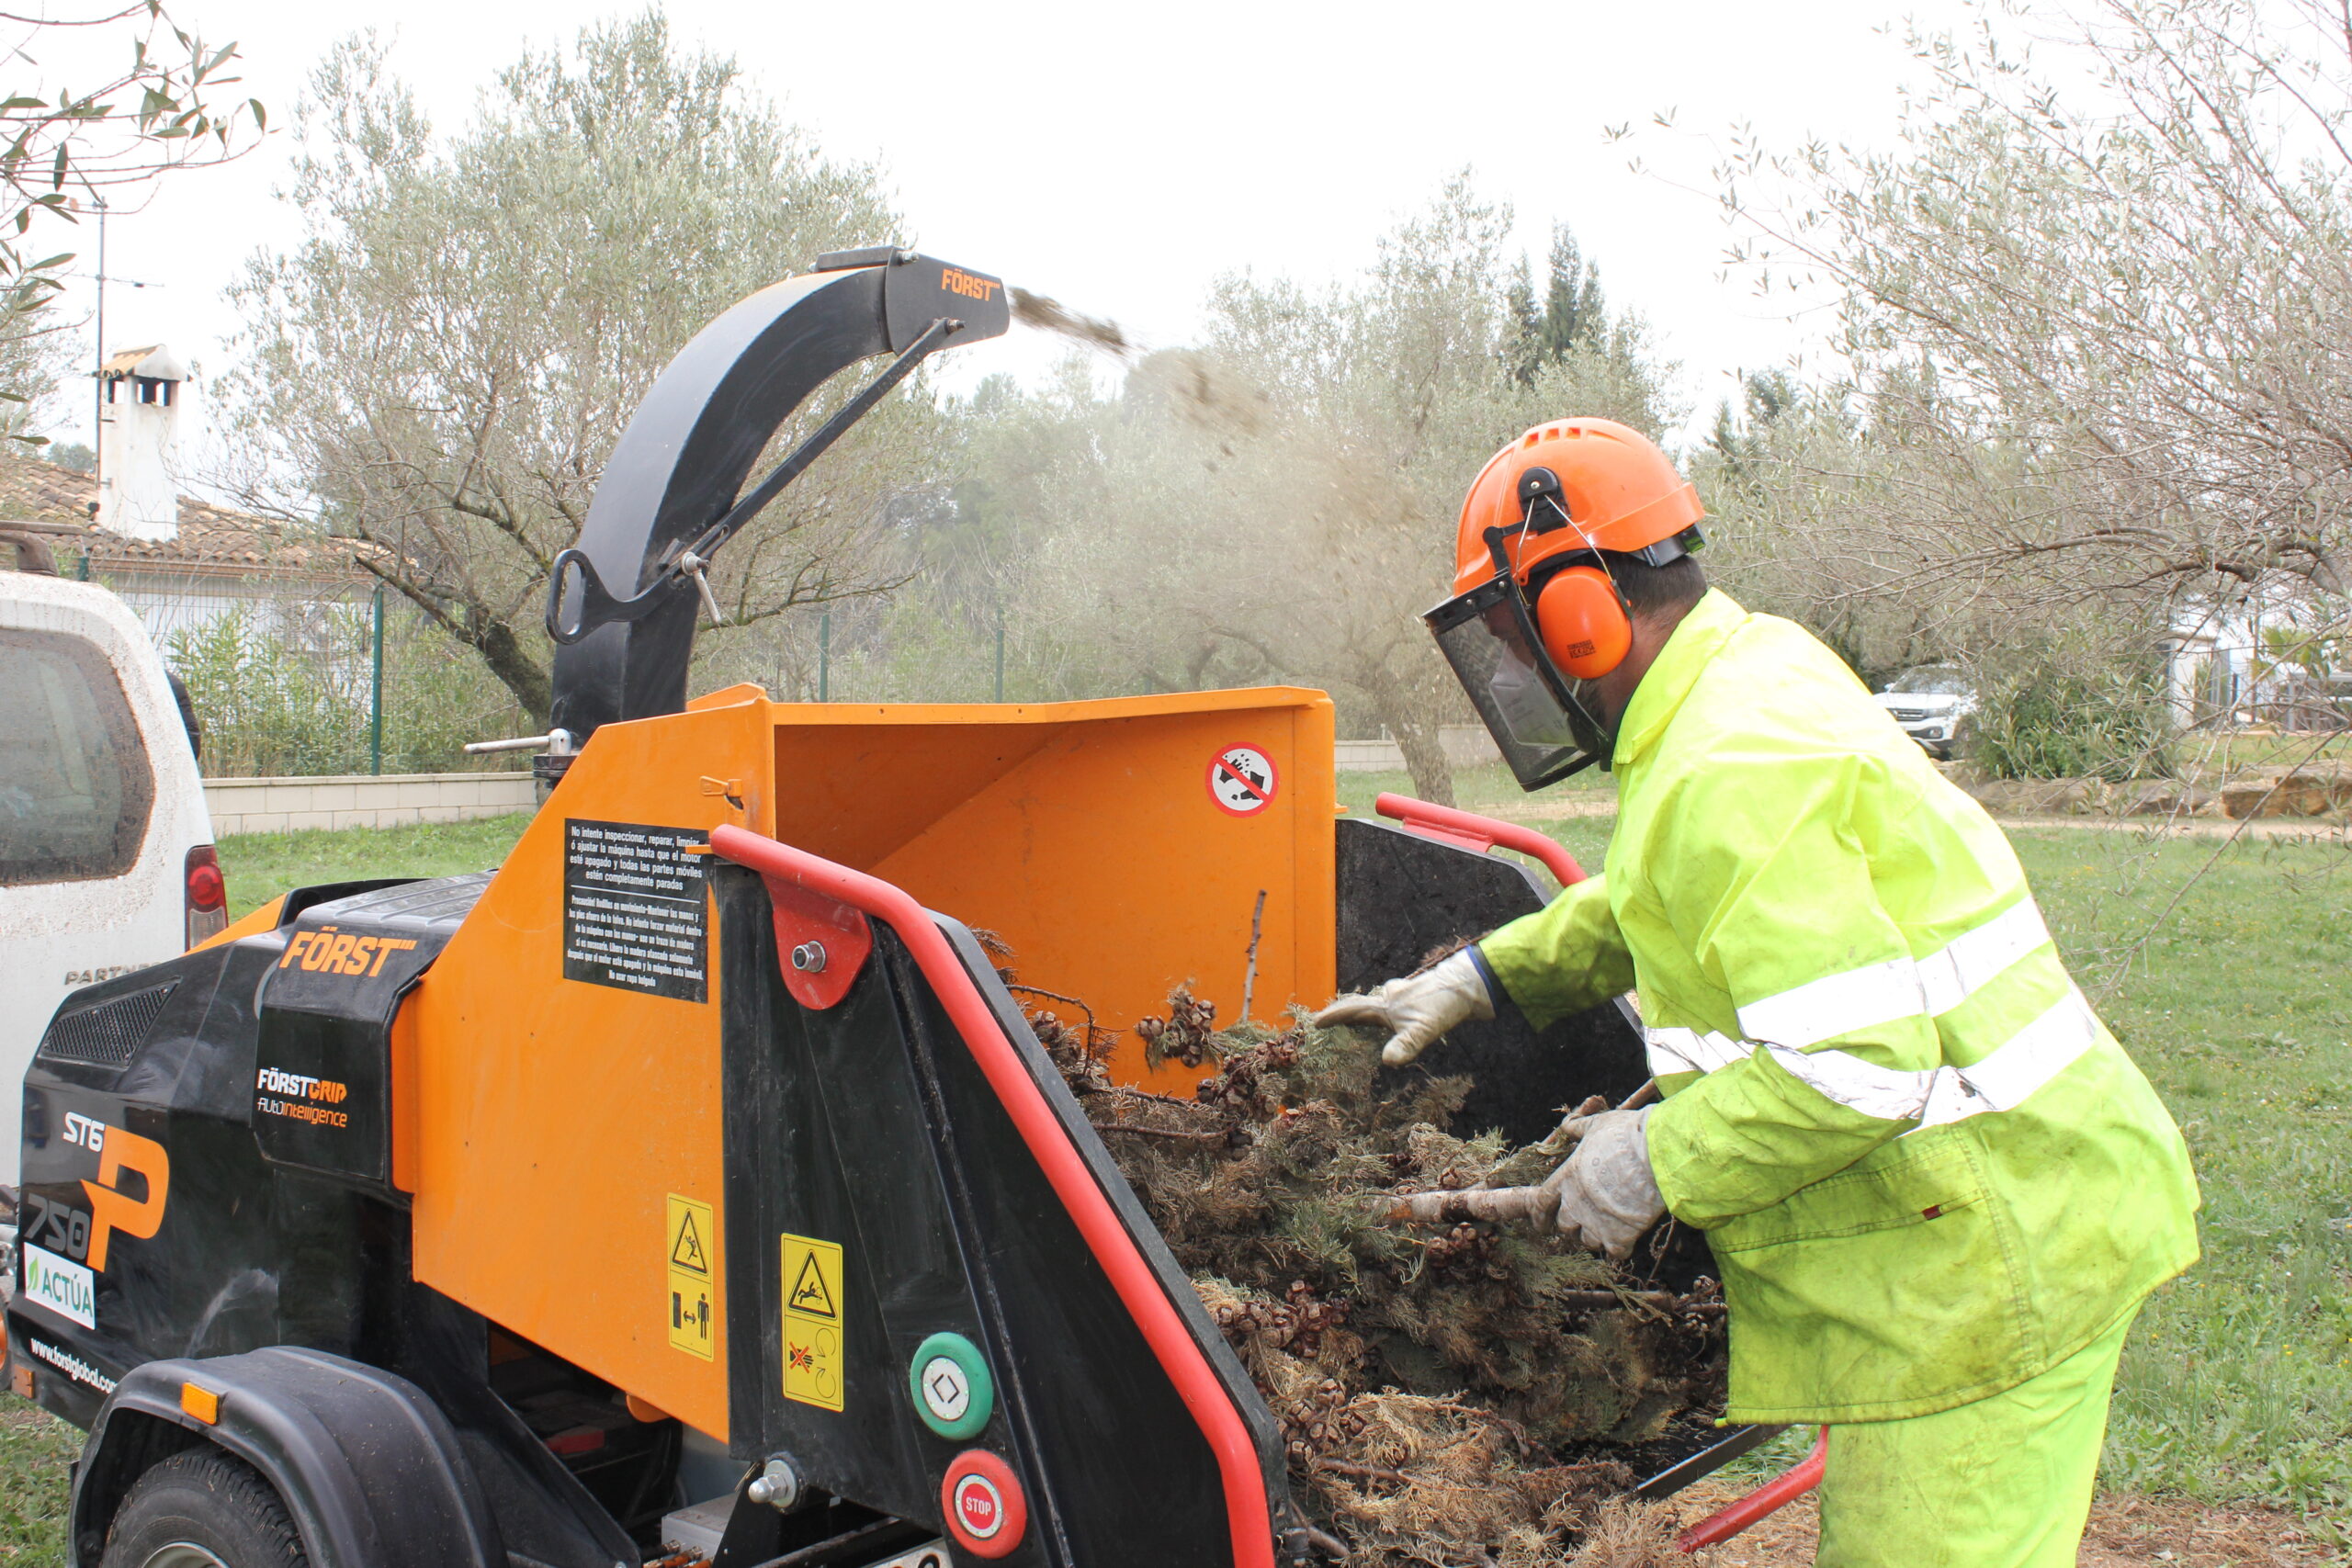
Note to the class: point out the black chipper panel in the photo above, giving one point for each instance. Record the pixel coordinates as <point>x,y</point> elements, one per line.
<point>884,1200</point>
<point>152,1225</point>
<point>1403,896</point>
<point>322,1073</point>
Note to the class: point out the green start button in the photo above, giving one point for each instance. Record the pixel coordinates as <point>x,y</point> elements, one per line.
<point>954,1393</point>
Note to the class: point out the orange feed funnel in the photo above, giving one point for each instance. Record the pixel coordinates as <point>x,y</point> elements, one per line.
<point>1116,848</point>
<point>548,1128</point>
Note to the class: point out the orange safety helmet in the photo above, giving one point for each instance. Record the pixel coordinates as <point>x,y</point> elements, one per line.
<point>1534,603</point>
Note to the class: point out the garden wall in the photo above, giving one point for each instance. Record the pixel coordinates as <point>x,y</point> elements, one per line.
<point>362,800</point>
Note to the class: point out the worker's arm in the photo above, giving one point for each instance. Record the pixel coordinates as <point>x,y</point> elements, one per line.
<point>1768,885</point>
<point>1563,958</point>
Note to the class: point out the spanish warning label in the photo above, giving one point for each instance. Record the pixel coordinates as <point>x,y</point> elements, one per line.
<point>635,915</point>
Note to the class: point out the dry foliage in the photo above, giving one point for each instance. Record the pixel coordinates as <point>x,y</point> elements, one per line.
<point>1467,1391</point>
<point>2093,385</point>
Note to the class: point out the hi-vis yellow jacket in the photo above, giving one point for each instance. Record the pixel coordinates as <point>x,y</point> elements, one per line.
<point>1927,1169</point>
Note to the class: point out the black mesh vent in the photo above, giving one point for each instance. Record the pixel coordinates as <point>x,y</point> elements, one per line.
<point>108,1035</point>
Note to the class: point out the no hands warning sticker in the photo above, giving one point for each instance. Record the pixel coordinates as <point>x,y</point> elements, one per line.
<point>1241,781</point>
<point>813,1360</point>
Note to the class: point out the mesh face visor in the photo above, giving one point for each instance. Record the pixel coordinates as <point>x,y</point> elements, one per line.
<point>1537,716</point>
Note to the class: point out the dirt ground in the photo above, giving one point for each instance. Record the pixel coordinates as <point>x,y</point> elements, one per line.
<point>2124,1532</point>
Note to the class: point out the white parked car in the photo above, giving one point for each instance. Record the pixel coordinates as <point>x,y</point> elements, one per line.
<point>1933,704</point>
<point>106,861</point>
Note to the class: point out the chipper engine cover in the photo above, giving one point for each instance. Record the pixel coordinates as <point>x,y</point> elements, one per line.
<point>401,1193</point>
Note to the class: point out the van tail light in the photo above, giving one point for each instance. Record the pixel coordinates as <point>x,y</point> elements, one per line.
<point>208,894</point>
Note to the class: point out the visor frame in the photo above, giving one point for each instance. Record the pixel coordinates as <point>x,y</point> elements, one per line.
<point>1590,741</point>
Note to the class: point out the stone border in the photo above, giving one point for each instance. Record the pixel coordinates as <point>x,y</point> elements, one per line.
<point>362,800</point>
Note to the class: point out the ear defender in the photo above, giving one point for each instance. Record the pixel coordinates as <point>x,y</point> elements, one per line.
<point>1585,622</point>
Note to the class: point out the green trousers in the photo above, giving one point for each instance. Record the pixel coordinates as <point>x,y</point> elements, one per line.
<point>2004,1483</point>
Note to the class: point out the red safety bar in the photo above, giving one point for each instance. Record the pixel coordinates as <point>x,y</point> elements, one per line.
<point>1774,1495</point>
<point>1073,1182</point>
<point>1472,831</point>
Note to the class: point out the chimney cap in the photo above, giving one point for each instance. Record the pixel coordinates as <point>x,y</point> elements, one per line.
<point>152,363</point>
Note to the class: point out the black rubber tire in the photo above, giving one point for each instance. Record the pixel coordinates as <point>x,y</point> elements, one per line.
<point>203,1497</point>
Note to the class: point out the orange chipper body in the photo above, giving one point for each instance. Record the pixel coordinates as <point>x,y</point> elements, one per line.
<point>1085,837</point>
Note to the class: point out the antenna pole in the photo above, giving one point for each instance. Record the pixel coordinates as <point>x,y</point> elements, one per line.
<point>99,387</point>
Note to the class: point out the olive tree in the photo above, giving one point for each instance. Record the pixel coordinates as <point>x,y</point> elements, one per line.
<point>68,147</point>
<point>2093,307</point>
<point>1278,501</point>
<point>442,367</point>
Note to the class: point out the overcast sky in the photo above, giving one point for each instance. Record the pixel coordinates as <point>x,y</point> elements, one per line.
<point>1122,157</point>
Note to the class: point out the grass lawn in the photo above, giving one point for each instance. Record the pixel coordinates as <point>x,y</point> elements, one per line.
<point>2237,1382</point>
<point>34,1449</point>
<point>260,867</point>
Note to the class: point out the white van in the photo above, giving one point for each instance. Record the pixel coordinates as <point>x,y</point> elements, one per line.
<point>107,862</point>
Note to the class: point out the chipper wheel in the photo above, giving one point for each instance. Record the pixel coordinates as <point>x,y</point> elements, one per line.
<point>200,1508</point>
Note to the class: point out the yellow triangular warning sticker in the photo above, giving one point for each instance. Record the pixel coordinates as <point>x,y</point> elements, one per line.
<point>808,1291</point>
<point>685,1247</point>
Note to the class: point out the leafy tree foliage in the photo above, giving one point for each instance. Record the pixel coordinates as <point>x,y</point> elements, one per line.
<point>69,148</point>
<point>1277,503</point>
<point>444,364</point>
<point>1572,315</point>
<point>2088,322</point>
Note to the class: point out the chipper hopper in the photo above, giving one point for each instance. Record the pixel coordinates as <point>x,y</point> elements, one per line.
<point>701,1150</point>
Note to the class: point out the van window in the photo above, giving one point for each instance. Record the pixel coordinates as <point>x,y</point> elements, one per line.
<point>74,786</point>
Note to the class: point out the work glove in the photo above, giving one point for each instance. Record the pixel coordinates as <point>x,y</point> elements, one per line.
<point>1607,1197</point>
<point>1419,1008</point>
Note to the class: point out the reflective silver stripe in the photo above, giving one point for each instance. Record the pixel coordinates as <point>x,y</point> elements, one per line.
<point>1888,1093</point>
<point>2012,1075</point>
<point>1972,960</point>
<point>1897,987</point>
<point>2002,1081</point>
<point>1836,1004</point>
<point>1687,1051</point>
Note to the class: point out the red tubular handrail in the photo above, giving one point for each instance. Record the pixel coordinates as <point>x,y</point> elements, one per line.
<point>1073,1182</point>
<point>1773,1495</point>
<point>1481,833</point>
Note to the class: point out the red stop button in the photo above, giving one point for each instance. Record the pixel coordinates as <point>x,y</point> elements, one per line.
<point>981,1497</point>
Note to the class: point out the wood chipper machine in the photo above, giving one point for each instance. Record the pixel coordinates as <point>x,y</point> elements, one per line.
<point>694,1177</point>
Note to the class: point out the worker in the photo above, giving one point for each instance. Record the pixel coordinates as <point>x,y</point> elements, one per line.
<point>1936,1188</point>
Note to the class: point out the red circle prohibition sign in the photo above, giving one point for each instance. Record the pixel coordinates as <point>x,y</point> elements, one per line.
<point>1224,778</point>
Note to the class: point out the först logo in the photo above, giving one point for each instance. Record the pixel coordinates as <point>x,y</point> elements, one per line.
<point>272,1080</point>
<point>955,280</point>
<point>298,1097</point>
<point>331,951</point>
